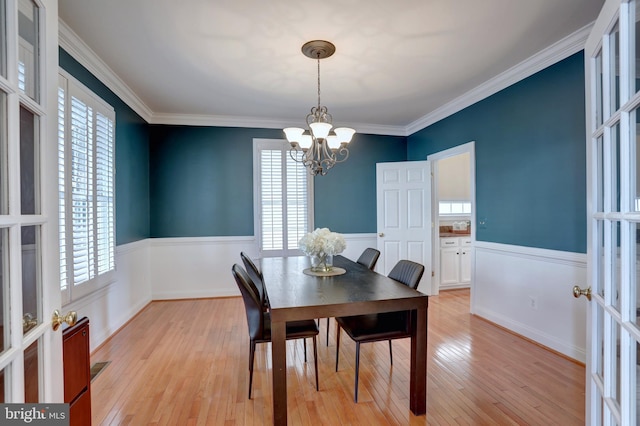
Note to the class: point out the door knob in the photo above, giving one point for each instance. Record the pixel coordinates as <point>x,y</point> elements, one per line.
<point>577,292</point>
<point>381,234</point>
<point>70,318</point>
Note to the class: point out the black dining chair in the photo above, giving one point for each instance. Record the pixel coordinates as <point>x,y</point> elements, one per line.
<point>259,322</point>
<point>382,326</point>
<point>368,259</point>
<point>256,276</point>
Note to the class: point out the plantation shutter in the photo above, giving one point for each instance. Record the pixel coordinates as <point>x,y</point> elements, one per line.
<point>86,185</point>
<point>284,194</point>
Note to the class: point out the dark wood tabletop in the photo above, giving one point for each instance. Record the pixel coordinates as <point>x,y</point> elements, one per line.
<point>294,295</point>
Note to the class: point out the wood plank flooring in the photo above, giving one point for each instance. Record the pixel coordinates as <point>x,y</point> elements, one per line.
<point>186,363</point>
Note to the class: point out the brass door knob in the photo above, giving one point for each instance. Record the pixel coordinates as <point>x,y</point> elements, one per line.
<point>577,292</point>
<point>70,318</point>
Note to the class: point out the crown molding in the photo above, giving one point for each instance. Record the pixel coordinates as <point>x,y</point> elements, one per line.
<point>78,49</point>
<point>264,123</point>
<point>558,51</point>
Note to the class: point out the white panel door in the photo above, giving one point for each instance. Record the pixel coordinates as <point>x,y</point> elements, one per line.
<point>613,206</point>
<point>404,216</point>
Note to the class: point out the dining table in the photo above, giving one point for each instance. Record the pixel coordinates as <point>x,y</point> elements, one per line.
<point>295,295</point>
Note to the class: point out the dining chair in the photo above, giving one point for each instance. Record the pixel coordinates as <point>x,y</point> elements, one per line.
<point>256,276</point>
<point>259,322</point>
<point>368,259</point>
<point>382,326</point>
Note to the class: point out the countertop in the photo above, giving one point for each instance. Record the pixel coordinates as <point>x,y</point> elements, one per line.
<point>454,234</point>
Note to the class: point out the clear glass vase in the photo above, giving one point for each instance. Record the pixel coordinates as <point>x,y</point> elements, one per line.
<point>321,262</point>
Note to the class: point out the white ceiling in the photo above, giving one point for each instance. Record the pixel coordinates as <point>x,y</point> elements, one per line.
<point>395,61</point>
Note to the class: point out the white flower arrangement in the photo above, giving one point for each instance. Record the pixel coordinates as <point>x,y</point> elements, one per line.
<point>322,242</point>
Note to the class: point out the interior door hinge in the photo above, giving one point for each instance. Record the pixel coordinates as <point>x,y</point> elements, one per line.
<point>433,273</point>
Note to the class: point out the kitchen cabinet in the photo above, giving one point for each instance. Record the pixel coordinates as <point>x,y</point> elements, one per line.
<point>455,262</point>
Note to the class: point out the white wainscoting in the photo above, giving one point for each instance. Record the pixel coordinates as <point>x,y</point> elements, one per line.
<point>529,291</point>
<point>110,307</point>
<point>201,267</point>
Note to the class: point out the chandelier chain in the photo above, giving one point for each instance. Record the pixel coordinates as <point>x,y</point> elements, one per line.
<point>318,81</point>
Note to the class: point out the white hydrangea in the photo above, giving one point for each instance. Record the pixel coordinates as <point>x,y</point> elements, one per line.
<point>322,242</point>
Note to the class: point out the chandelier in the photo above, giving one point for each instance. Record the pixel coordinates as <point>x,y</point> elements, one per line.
<point>321,146</point>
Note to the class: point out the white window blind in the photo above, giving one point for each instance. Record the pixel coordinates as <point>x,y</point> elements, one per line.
<point>283,199</point>
<point>86,187</point>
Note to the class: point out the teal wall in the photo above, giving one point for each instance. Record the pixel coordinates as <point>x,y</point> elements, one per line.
<point>201,181</point>
<point>530,158</point>
<point>179,181</point>
<point>345,198</point>
<point>131,157</point>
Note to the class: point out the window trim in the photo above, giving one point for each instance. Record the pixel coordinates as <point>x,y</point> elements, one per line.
<point>274,144</point>
<point>72,293</point>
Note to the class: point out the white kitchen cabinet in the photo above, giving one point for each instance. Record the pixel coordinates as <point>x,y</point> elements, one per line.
<point>455,262</point>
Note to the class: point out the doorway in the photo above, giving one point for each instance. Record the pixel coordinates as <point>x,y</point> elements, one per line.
<point>454,218</point>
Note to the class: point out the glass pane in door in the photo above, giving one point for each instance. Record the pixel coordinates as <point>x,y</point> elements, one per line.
<point>28,49</point>
<point>635,277</point>
<point>30,277</point>
<point>4,284</point>
<point>31,369</point>
<point>3,38</point>
<point>598,355</point>
<point>4,203</point>
<point>615,379</point>
<point>616,277</point>
<point>634,183</point>
<point>635,62</point>
<point>29,163</point>
<point>614,136</point>
<point>598,283</point>
<point>599,171</point>
<point>614,68</point>
<point>598,95</point>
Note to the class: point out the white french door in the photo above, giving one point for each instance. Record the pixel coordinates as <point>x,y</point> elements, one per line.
<point>403,192</point>
<point>30,353</point>
<point>612,70</point>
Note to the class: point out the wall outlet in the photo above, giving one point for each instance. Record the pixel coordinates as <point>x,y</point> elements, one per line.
<point>533,303</point>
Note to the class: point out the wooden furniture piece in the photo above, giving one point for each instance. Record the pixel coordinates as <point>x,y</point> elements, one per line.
<point>77,372</point>
<point>295,296</point>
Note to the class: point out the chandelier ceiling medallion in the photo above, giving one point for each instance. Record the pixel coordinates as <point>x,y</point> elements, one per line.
<point>321,146</point>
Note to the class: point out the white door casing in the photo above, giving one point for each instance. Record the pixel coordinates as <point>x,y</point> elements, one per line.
<point>404,217</point>
<point>613,221</point>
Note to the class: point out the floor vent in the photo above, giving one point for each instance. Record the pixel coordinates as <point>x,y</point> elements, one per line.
<point>97,368</point>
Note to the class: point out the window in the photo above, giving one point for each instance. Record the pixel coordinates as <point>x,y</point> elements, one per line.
<point>86,127</point>
<point>283,199</point>
<point>454,208</point>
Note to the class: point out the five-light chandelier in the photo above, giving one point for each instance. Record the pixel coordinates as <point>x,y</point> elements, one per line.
<point>320,147</point>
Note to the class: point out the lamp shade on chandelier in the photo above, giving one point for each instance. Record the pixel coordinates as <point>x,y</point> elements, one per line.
<point>320,146</point>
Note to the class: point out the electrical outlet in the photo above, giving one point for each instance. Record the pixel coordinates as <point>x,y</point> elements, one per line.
<point>533,303</point>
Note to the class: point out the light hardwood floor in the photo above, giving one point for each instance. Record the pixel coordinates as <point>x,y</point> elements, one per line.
<point>186,363</point>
